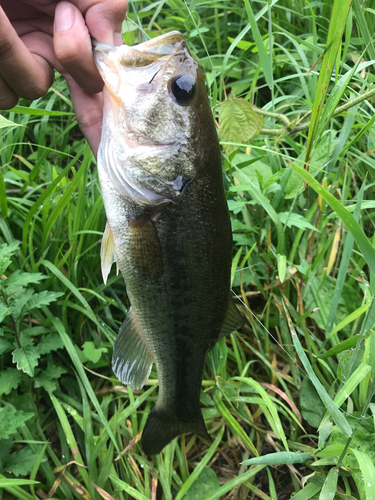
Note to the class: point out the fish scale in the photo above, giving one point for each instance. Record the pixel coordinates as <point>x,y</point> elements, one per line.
<point>168,226</point>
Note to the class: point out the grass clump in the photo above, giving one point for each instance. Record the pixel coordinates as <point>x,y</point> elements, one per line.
<point>288,400</point>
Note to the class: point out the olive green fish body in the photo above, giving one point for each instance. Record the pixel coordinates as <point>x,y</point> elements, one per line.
<point>171,238</point>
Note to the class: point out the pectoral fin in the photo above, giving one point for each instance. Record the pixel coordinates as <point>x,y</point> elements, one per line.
<point>131,360</point>
<point>108,252</point>
<point>145,251</point>
<point>233,319</point>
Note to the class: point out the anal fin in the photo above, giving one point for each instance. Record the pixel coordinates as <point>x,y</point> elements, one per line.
<point>131,360</point>
<point>233,319</point>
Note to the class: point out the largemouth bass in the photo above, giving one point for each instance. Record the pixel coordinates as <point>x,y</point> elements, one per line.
<point>168,225</point>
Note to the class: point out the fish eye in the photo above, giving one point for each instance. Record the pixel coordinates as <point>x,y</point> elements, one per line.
<point>182,88</point>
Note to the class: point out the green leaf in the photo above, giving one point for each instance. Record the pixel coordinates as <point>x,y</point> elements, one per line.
<point>93,353</point>
<point>9,379</point>
<point>330,485</point>
<point>360,238</point>
<point>281,266</point>
<point>6,253</point>
<point>23,279</point>
<point>24,110</point>
<point>340,10</point>
<point>4,122</point>
<point>262,200</point>
<point>265,61</point>
<point>26,358</point>
<point>21,462</point>
<point>312,407</point>
<point>4,310</point>
<point>11,419</point>
<point>50,342</point>
<point>4,344</point>
<point>7,482</point>
<point>239,123</point>
<point>48,378</point>
<point>283,457</point>
<point>297,220</point>
<point>42,299</point>
<point>331,407</point>
<point>368,472</point>
<point>206,483</point>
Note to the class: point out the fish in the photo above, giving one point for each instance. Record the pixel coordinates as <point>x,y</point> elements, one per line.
<point>168,227</point>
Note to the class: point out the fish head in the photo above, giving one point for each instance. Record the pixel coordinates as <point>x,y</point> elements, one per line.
<point>155,116</point>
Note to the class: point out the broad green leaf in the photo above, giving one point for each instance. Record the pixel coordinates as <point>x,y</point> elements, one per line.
<point>6,253</point>
<point>26,358</point>
<point>234,483</point>
<point>48,378</point>
<point>201,466</point>
<point>312,407</point>
<point>4,122</point>
<point>4,310</point>
<point>93,353</point>
<point>368,472</point>
<point>42,299</point>
<point>19,278</point>
<point>9,379</point>
<point>239,123</point>
<point>4,344</point>
<point>297,220</point>
<point>50,342</point>
<point>11,419</point>
<point>206,483</point>
<point>21,462</point>
<point>282,457</point>
<point>330,485</point>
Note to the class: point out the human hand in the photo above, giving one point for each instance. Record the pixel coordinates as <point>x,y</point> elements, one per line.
<point>39,35</point>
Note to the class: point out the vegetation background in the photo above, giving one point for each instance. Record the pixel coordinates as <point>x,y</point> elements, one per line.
<point>287,400</point>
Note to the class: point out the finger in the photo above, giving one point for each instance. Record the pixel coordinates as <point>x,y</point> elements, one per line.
<point>73,49</point>
<point>8,98</point>
<point>104,20</point>
<point>27,74</point>
<point>89,112</point>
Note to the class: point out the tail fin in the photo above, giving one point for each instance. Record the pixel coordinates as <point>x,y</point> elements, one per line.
<point>161,428</point>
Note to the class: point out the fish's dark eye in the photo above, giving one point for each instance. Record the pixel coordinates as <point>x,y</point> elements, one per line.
<point>183,88</point>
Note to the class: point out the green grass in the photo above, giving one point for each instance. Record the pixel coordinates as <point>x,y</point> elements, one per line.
<point>289,399</point>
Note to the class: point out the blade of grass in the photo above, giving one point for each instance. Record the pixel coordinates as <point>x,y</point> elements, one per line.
<point>233,483</point>
<point>339,16</point>
<point>202,464</point>
<point>360,238</point>
<point>331,407</point>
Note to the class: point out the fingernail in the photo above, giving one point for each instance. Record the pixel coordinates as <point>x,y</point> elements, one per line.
<point>117,39</point>
<point>64,16</point>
